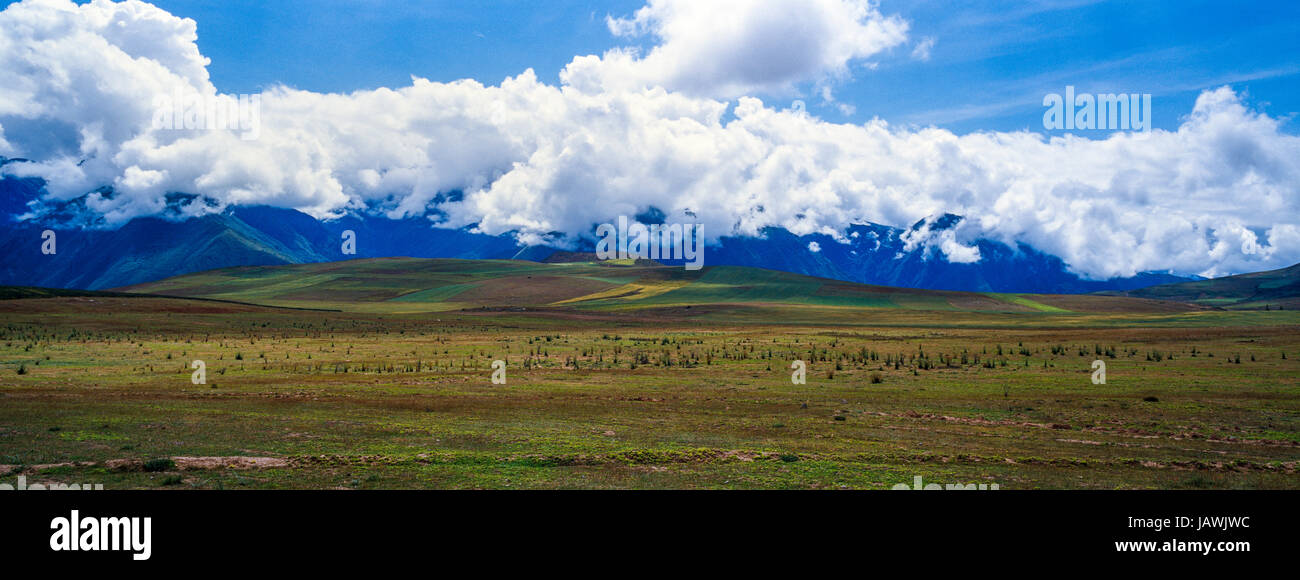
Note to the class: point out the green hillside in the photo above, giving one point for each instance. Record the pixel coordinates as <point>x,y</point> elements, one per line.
<point>1272,289</point>
<point>401,285</point>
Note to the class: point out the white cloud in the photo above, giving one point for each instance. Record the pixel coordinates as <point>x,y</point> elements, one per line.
<point>944,241</point>
<point>729,48</point>
<point>1218,195</point>
<point>814,247</point>
<point>922,49</point>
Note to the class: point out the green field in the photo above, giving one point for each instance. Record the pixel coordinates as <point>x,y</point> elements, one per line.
<point>408,285</point>
<point>635,376</point>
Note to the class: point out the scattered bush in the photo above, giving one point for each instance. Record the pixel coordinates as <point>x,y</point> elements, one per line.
<point>161,464</point>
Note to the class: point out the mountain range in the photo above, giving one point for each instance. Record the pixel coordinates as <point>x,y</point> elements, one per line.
<point>152,248</point>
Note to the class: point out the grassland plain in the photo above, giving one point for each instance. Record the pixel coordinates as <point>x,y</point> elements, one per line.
<point>636,377</point>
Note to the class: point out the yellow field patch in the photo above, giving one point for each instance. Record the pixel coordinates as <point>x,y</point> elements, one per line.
<point>631,291</point>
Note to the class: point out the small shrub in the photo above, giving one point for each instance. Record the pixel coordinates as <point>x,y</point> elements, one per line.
<point>172,480</point>
<point>161,464</point>
<point>1151,399</point>
<point>789,457</point>
<point>22,369</point>
<point>876,379</point>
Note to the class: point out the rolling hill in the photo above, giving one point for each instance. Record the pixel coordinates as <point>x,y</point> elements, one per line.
<point>1272,289</point>
<point>432,285</point>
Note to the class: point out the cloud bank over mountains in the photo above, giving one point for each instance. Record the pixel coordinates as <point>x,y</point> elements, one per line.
<point>625,131</point>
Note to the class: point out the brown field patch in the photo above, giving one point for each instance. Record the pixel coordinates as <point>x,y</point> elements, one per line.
<point>531,290</point>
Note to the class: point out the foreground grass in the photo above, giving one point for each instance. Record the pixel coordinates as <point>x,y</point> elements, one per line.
<point>652,399</point>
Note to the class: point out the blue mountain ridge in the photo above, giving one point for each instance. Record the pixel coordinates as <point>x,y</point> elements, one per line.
<point>152,248</point>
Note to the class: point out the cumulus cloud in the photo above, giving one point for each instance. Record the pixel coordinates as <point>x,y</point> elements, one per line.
<point>1217,195</point>
<point>930,237</point>
<point>729,48</point>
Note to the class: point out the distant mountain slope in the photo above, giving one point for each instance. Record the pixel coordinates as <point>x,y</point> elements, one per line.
<point>147,249</point>
<point>15,193</point>
<point>419,285</point>
<point>876,254</point>
<point>1275,288</point>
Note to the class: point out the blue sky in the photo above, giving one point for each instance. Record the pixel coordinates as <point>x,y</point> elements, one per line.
<point>990,65</point>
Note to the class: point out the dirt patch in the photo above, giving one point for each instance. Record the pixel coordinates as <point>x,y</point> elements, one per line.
<point>983,422</point>
<point>203,463</point>
<point>124,464</point>
<point>748,456</point>
<point>188,463</point>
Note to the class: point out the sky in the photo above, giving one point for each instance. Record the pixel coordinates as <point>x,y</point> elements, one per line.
<point>988,64</point>
<point>553,117</point>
